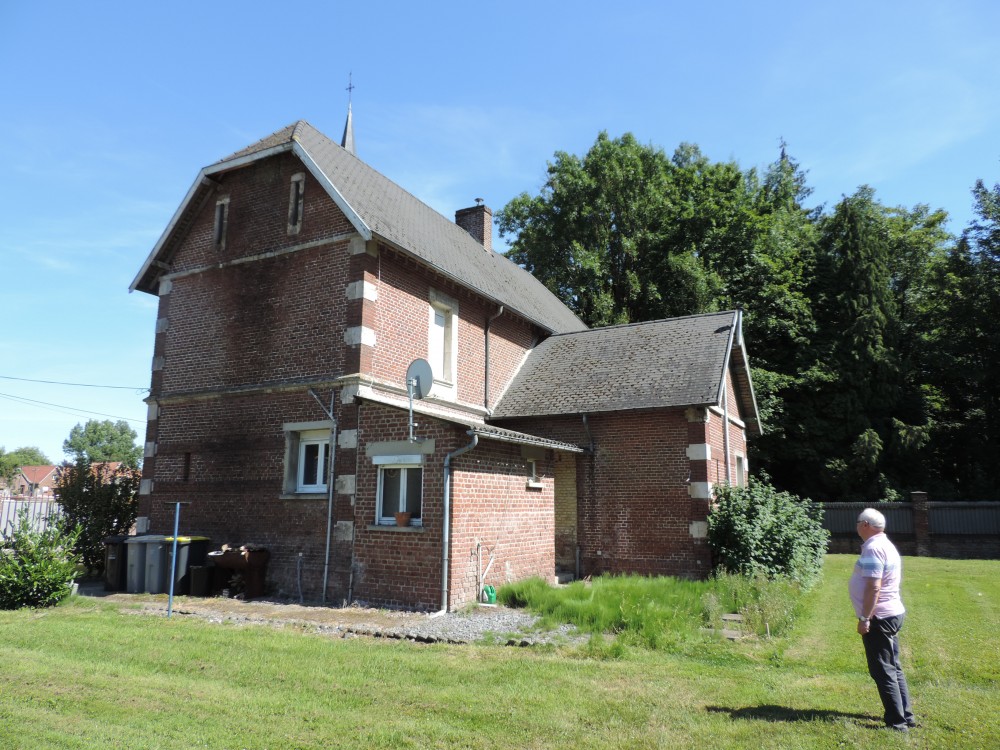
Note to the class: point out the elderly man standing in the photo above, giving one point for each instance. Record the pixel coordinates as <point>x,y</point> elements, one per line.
<point>874,589</point>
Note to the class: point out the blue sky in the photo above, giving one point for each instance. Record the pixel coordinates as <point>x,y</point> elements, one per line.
<point>109,109</point>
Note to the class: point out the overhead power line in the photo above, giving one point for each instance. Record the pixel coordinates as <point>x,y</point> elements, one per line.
<point>80,385</point>
<point>66,409</point>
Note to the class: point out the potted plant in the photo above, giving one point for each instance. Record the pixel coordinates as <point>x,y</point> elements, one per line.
<point>403,518</point>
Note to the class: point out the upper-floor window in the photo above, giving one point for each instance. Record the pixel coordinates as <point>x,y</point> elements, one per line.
<point>296,202</point>
<point>442,339</point>
<point>221,221</point>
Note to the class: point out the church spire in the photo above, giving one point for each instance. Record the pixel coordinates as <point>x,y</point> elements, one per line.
<point>348,140</point>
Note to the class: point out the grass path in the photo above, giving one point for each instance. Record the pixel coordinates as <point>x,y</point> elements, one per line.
<point>89,676</point>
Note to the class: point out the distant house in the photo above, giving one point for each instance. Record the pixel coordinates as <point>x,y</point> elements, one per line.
<point>36,482</point>
<point>297,285</point>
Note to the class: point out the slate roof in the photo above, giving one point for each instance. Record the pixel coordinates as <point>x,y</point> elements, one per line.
<point>391,213</point>
<point>678,362</point>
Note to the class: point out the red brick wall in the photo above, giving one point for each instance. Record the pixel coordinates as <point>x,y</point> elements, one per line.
<point>258,215</point>
<point>633,506</point>
<point>269,321</point>
<point>566,511</point>
<point>737,439</point>
<point>489,503</point>
<point>400,319</point>
<point>234,450</point>
<point>495,513</point>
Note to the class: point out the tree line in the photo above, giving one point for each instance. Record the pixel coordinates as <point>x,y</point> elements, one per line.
<point>872,330</point>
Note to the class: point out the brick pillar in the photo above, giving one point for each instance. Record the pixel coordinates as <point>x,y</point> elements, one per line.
<point>921,523</point>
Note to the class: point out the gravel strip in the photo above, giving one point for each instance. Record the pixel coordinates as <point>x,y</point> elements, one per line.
<point>494,624</point>
<point>498,624</point>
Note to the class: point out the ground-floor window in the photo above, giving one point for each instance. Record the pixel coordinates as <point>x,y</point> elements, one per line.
<point>314,458</point>
<point>307,458</point>
<point>400,489</point>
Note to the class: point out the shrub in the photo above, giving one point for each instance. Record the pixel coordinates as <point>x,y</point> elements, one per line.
<point>37,566</point>
<point>102,502</point>
<point>756,530</point>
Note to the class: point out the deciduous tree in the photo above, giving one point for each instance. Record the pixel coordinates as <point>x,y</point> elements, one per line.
<point>103,441</point>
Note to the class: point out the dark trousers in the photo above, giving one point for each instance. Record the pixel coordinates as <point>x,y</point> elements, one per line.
<point>882,650</point>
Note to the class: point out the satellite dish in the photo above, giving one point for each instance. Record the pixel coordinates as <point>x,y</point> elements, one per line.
<point>419,378</point>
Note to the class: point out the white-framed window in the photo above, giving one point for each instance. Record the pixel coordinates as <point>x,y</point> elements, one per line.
<point>442,340</point>
<point>400,488</point>
<point>307,458</point>
<point>221,222</point>
<point>296,202</point>
<point>741,471</point>
<point>314,461</point>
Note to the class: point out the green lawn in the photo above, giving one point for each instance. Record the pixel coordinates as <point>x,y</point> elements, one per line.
<point>86,676</point>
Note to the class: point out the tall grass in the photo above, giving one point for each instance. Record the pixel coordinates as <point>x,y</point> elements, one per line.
<point>768,606</point>
<point>659,613</point>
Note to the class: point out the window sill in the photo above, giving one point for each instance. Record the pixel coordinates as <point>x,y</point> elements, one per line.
<point>303,496</point>
<point>396,529</point>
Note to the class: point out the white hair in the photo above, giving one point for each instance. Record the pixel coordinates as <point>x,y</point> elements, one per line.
<point>873,518</point>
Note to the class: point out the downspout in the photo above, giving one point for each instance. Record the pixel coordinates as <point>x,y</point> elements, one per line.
<point>446,526</point>
<point>590,488</point>
<point>590,438</point>
<point>486,386</point>
<point>329,490</point>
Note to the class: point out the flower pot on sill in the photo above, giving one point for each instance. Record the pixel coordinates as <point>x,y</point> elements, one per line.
<point>403,519</point>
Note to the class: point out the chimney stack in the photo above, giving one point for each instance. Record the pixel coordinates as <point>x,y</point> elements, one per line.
<point>477,221</point>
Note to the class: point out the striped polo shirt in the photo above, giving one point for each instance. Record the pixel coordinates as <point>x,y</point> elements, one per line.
<point>879,559</point>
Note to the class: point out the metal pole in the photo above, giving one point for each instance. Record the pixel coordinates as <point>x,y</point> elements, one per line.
<point>173,561</point>
<point>411,383</point>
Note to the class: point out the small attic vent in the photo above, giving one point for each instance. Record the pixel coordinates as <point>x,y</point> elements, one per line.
<point>295,202</point>
<point>221,220</point>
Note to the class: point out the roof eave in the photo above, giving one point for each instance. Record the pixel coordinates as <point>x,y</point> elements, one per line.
<point>161,243</point>
<point>203,179</point>
<point>510,307</point>
<point>737,343</point>
<point>335,195</point>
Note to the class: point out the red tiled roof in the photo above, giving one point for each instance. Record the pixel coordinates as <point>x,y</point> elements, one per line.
<point>37,474</point>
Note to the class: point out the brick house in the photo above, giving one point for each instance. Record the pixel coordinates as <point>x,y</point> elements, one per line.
<point>296,286</point>
<point>36,482</point>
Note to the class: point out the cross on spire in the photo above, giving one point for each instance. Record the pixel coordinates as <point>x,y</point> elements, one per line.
<point>347,141</point>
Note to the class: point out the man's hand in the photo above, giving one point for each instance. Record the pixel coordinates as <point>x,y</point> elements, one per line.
<point>864,626</point>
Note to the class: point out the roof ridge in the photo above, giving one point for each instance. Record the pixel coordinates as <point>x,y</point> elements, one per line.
<point>268,141</point>
<point>402,189</point>
<point>643,322</point>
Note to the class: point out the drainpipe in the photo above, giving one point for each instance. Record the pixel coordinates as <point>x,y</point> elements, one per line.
<point>590,489</point>
<point>486,387</point>
<point>446,533</point>
<point>329,490</point>
<point>590,438</point>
